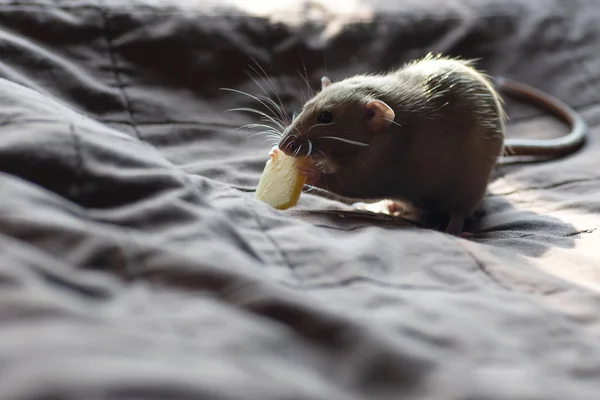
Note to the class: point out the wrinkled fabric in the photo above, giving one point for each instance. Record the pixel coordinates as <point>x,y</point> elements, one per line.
<point>136,263</point>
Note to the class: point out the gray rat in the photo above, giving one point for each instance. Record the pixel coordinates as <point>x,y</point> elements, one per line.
<point>426,136</point>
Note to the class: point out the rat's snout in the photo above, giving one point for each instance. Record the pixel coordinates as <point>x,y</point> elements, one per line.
<point>295,146</point>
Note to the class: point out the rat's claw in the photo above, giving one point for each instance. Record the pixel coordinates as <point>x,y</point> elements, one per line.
<point>311,174</point>
<point>273,151</point>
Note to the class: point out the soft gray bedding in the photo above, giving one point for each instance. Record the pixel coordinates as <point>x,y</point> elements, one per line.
<point>134,265</point>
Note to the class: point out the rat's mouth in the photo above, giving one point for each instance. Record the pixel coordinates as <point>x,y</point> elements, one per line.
<point>295,146</point>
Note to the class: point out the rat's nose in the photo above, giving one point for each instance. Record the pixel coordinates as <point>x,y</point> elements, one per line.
<point>293,145</point>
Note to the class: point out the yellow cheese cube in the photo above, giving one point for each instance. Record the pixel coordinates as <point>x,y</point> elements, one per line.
<point>280,184</point>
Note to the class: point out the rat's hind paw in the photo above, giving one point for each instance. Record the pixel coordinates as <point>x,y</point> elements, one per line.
<point>388,207</point>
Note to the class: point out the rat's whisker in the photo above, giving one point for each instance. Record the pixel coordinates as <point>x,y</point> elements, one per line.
<point>267,79</point>
<point>345,140</point>
<point>393,122</point>
<point>267,97</point>
<point>316,125</point>
<point>264,129</point>
<point>253,97</point>
<point>255,111</point>
<point>267,127</point>
<point>297,151</point>
<point>304,98</point>
<point>263,119</point>
<point>278,110</point>
<point>264,76</point>
<point>270,140</point>
<point>309,93</point>
<point>310,147</point>
<point>249,126</point>
<point>287,146</point>
<point>267,133</point>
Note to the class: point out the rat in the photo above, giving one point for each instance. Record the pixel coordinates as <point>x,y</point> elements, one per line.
<point>421,139</point>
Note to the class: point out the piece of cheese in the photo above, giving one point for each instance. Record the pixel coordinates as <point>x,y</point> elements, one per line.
<point>280,184</point>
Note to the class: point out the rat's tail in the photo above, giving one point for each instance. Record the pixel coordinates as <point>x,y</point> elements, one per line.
<point>547,148</point>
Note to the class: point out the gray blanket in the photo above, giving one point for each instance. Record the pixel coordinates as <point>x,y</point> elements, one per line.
<point>136,264</point>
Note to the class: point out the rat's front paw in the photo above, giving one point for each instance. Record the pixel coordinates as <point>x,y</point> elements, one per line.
<point>311,174</point>
<point>273,151</point>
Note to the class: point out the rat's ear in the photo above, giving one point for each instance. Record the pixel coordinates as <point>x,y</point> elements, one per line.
<point>378,115</point>
<point>325,81</point>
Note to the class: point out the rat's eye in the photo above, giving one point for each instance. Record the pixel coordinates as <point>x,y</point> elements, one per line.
<point>325,117</point>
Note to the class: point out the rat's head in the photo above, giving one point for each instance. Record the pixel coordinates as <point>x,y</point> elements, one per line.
<point>337,126</point>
